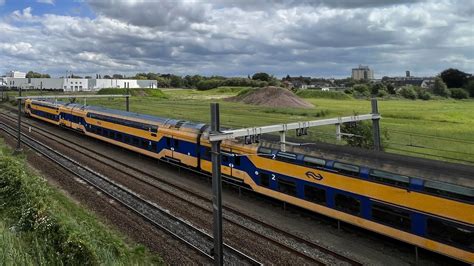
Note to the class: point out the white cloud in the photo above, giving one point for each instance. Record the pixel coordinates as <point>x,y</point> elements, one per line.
<point>50,2</point>
<point>323,38</point>
<point>2,2</point>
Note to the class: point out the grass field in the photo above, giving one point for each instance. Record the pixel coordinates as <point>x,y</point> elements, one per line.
<point>438,129</point>
<point>41,226</point>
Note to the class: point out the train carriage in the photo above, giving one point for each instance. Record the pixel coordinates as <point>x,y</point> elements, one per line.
<point>438,216</point>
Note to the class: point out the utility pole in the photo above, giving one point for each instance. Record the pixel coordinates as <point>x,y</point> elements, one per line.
<point>41,87</point>
<point>216,186</point>
<point>376,125</point>
<point>18,145</point>
<point>127,99</point>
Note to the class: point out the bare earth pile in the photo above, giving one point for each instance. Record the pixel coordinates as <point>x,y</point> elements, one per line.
<point>272,97</point>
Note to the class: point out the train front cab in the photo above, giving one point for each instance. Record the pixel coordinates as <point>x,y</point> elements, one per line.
<point>42,110</point>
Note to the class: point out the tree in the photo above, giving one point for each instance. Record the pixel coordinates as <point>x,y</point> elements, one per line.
<point>32,74</point>
<point>209,84</point>
<point>440,88</point>
<point>408,92</point>
<point>454,78</point>
<point>458,93</point>
<point>88,77</point>
<point>261,76</point>
<point>374,90</point>
<point>470,87</point>
<point>117,76</point>
<point>176,81</point>
<point>391,89</point>
<point>107,77</point>
<point>361,135</point>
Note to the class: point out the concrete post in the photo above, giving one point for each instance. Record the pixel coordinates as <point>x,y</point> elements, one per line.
<point>338,132</point>
<point>216,186</point>
<point>376,126</point>
<point>283,141</point>
<point>127,100</point>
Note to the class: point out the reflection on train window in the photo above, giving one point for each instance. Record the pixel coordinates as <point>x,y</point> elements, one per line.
<point>347,204</point>
<point>264,180</point>
<point>391,216</point>
<point>449,190</point>
<point>286,157</point>
<point>389,178</point>
<point>451,233</point>
<point>287,187</point>
<point>314,194</point>
<point>347,169</point>
<point>314,162</point>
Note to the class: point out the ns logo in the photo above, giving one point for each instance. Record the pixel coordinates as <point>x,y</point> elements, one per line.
<point>314,175</point>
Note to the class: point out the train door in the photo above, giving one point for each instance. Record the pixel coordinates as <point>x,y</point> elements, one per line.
<point>172,144</point>
<point>65,117</point>
<point>231,160</point>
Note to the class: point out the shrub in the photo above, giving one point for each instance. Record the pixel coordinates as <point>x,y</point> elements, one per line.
<point>362,135</point>
<point>424,95</point>
<point>204,85</point>
<point>470,87</point>
<point>440,88</point>
<point>408,92</point>
<point>382,93</point>
<point>459,93</point>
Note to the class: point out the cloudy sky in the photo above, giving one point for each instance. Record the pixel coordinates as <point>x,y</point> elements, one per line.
<point>319,38</point>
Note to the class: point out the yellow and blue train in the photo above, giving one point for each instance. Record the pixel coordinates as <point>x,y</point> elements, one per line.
<point>434,215</point>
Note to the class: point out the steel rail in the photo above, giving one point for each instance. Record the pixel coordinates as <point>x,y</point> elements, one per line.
<point>192,236</point>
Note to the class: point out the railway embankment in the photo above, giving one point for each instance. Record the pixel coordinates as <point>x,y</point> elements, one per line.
<point>40,225</point>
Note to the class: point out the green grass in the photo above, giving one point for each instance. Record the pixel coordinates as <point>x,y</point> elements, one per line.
<point>134,92</point>
<point>435,128</point>
<point>323,94</point>
<point>39,225</point>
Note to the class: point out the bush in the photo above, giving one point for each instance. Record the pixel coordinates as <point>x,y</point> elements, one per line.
<point>362,135</point>
<point>408,92</point>
<point>209,84</point>
<point>440,88</point>
<point>424,95</point>
<point>323,94</point>
<point>382,93</point>
<point>470,87</point>
<point>459,93</point>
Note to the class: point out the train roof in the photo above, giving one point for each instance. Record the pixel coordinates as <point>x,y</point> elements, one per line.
<point>182,124</point>
<point>454,173</point>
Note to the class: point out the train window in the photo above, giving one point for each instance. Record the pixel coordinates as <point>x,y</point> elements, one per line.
<point>451,233</point>
<point>286,157</point>
<point>176,143</point>
<point>287,187</point>
<point>314,162</point>
<point>314,194</point>
<point>154,129</point>
<point>264,150</point>
<point>347,169</point>
<point>119,136</point>
<point>168,142</point>
<point>99,131</point>
<point>389,178</point>
<point>144,143</point>
<point>105,132</point>
<point>225,159</point>
<point>391,216</point>
<point>153,146</point>
<point>135,141</point>
<point>347,204</point>
<point>264,180</point>
<point>111,134</point>
<point>126,139</point>
<point>449,190</point>
<point>237,160</point>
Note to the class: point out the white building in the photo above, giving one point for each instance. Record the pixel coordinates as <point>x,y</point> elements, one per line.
<point>75,84</point>
<point>362,72</point>
<point>15,74</point>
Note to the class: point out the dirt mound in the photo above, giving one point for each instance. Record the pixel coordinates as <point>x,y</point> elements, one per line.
<point>272,97</point>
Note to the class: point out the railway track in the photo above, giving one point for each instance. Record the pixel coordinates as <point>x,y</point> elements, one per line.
<point>310,251</point>
<point>179,229</point>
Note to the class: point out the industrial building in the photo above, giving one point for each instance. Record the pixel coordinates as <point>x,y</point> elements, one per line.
<point>362,73</point>
<point>72,84</point>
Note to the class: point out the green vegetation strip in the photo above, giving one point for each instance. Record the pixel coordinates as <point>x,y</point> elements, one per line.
<point>41,226</point>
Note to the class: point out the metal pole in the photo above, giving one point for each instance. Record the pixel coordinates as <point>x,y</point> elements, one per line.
<point>18,145</point>
<point>216,186</point>
<point>376,126</point>
<point>41,87</point>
